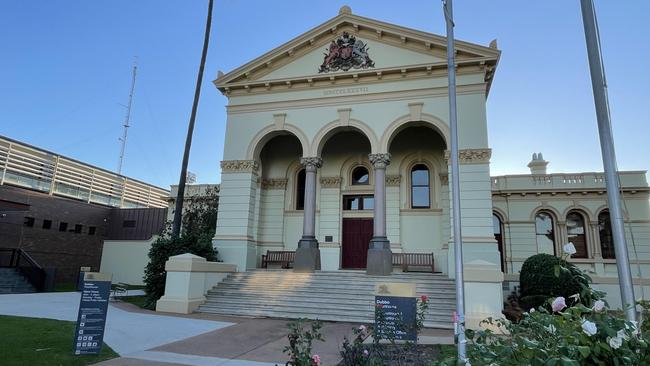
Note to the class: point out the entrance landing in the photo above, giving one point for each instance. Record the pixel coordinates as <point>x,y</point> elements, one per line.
<point>346,296</point>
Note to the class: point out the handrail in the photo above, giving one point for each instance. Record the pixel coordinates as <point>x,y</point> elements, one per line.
<point>29,268</point>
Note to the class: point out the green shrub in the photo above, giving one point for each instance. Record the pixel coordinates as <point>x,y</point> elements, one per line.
<point>543,276</point>
<point>198,227</point>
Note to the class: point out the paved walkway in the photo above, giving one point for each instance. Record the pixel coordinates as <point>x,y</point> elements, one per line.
<point>146,338</point>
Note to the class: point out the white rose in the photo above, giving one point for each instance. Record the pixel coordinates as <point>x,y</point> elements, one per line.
<point>615,342</point>
<point>569,248</point>
<point>621,334</point>
<point>532,310</point>
<point>589,327</point>
<point>599,306</point>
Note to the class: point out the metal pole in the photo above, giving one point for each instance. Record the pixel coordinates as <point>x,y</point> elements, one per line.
<point>599,86</point>
<point>455,183</point>
<point>178,210</point>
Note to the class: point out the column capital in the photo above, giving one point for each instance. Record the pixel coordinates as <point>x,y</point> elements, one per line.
<point>311,163</point>
<point>379,161</point>
<point>239,166</point>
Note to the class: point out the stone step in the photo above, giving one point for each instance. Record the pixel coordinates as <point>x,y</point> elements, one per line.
<point>219,292</point>
<point>333,282</point>
<point>368,319</point>
<point>322,292</point>
<point>335,295</point>
<point>367,305</point>
<point>315,312</point>
<point>310,297</point>
<point>410,277</point>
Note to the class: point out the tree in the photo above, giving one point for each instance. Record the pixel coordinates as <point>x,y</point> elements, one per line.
<point>198,227</point>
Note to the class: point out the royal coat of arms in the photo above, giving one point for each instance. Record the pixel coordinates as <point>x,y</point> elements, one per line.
<point>345,53</point>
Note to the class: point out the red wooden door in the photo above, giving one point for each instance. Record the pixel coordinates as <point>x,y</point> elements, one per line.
<point>356,239</point>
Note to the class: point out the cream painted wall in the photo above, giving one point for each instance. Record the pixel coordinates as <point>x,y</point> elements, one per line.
<point>518,198</point>
<point>126,259</point>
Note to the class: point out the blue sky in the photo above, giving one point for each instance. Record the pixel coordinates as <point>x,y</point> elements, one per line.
<point>66,65</point>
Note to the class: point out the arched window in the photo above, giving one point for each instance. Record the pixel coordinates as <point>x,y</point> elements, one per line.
<point>605,233</point>
<point>545,233</point>
<point>420,190</point>
<point>360,176</point>
<point>498,236</point>
<point>575,227</point>
<point>300,190</point>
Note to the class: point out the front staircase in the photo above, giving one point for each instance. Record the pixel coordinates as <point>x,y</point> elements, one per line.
<point>12,282</point>
<point>334,296</point>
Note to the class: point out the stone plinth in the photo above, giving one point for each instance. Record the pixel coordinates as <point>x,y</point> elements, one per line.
<point>189,277</point>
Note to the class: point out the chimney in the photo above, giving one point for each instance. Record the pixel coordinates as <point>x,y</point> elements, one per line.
<point>538,164</point>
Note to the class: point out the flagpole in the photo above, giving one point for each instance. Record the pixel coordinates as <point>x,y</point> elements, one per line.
<point>599,86</point>
<point>455,183</point>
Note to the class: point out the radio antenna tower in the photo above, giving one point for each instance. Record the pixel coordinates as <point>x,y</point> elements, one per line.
<point>127,119</point>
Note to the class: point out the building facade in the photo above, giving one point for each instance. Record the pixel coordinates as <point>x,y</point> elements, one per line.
<point>336,147</point>
<point>540,212</point>
<point>60,211</point>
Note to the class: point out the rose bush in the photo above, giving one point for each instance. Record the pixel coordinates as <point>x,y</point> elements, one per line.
<point>576,335</point>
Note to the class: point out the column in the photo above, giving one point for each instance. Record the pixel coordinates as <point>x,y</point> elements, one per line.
<point>380,257</point>
<point>307,253</point>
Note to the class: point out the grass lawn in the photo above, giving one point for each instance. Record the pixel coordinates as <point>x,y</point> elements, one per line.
<point>138,301</point>
<point>35,341</point>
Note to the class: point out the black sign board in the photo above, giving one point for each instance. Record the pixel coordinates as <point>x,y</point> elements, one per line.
<point>398,314</point>
<point>91,321</point>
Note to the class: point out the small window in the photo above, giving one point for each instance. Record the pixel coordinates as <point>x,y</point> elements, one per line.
<point>545,233</point>
<point>360,176</point>
<point>358,203</point>
<point>63,226</point>
<point>605,233</point>
<point>78,228</point>
<point>47,224</point>
<point>300,190</point>
<point>420,190</point>
<point>575,227</point>
<point>128,223</point>
<point>29,222</point>
<point>91,230</point>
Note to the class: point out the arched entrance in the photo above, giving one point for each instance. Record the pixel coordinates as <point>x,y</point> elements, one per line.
<point>345,155</point>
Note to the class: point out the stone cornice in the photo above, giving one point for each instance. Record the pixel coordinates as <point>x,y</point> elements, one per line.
<point>330,182</point>
<point>393,180</point>
<point>239,166</point>
<point>471,156</point>
<point>274,183</point>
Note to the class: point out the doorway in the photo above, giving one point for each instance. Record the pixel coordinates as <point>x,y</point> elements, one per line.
<point>357,233</point>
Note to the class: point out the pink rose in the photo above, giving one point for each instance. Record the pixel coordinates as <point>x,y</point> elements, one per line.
<point>365,353</point>
<point>315,360</point>
<point>424,298</point>
<point>558,304</point>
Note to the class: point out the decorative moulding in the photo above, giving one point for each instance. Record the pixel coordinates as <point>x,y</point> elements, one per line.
<point>274,183</point>
<point>444,179</point>
<point>393,180</point>
<point>471,156</point>
<point>330,182</point>
<point>239,166</point>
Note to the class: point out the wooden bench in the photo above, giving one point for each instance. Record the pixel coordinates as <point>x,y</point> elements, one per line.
<point>408,260</point>
<point>284,258</point>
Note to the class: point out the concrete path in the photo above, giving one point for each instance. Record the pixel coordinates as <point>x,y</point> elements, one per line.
<point>128,333</point>
<point>146,338</point>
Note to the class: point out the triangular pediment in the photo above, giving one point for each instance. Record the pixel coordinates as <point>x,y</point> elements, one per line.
<point>385,48</point>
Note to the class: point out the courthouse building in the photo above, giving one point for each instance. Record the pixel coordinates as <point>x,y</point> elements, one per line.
<point>337,147</point>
